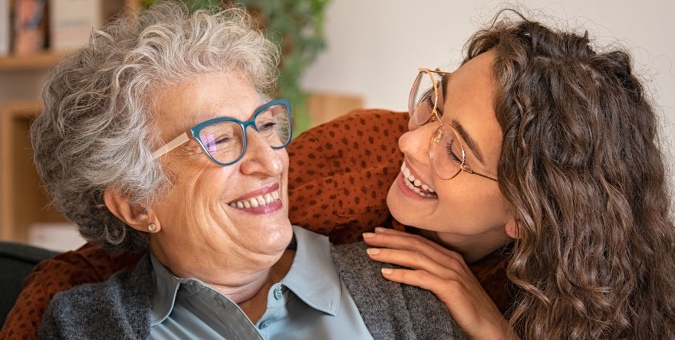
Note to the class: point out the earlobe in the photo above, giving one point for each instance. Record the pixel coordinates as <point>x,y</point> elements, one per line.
<point>512,228</point>
<point>134,216</point>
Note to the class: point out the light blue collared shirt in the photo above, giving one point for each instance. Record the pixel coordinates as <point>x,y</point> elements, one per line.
<point>309,303</point>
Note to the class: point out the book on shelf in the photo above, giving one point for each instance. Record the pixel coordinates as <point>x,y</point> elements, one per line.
<point>71,22</point>
<point>29,26</point>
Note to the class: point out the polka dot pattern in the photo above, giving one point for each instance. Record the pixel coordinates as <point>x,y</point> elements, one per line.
<point>341,171</point>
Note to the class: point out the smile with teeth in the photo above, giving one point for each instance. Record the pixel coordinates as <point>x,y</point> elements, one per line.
<point>415,184</point>
<point>257,201</point>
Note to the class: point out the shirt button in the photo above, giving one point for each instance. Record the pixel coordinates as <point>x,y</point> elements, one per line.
<point>277,294</point>
<point>264,324</point>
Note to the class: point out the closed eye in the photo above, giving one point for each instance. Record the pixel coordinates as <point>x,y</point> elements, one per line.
<point>451,152</point>
<point>268,126</point>
<point>430,102</point>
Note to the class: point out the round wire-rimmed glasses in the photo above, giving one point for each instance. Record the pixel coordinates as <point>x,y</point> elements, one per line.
<point>223,139</point>
<point>446,147</point>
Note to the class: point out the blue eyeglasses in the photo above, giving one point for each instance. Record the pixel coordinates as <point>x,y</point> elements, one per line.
<point>224,138</point>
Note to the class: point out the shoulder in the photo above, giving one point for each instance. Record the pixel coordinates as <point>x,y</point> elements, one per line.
<point>115,307</point>
<point>390,309</point>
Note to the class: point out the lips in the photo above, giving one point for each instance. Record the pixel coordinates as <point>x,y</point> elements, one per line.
<point>415,184</point>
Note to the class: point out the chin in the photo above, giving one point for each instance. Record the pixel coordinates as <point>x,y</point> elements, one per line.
<point>402,212</point>
<point>280,235</point>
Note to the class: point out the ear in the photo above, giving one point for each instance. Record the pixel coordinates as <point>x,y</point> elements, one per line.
<point>134,216</point>
<point>512,228</point>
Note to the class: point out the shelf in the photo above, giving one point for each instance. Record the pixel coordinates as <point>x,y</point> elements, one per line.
<point>46,59</point>
<point>22,201</point>
<point>38,61</point>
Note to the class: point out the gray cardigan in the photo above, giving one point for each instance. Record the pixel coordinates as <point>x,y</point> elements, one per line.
<point>120,307</point>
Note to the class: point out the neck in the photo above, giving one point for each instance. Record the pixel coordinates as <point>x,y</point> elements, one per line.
<point>256,284</point>
<point>244,283</point>
<point>252,298</point>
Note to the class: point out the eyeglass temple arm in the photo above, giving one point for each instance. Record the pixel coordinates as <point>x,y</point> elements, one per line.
<point>469,170</point>
<point>176,142</point>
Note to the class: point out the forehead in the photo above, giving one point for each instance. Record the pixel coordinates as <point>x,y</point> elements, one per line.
<point>202,97</point>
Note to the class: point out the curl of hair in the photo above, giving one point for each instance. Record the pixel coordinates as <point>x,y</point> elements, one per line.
<point>95,131</point>
<point>581,165</point>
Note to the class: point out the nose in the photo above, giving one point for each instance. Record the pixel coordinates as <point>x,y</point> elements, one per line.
<point>415,143</point>
<point>260,158</point>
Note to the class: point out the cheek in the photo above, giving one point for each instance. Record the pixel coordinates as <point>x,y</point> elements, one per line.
<point>283,155</point>
<point>473,201</point>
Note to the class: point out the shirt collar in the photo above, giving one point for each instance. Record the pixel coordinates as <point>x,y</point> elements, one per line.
<point>164,295</point>
<point>312,277</point>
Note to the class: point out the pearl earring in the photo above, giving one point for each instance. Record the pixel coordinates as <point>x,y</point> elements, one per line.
<point>152,227</point>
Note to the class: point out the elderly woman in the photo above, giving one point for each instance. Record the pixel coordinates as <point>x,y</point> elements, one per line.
<point>159,137</point>
<point>541,151</point>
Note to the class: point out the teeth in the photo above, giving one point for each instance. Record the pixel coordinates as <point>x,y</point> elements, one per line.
<point>255,202</point>
<point>415,184</point>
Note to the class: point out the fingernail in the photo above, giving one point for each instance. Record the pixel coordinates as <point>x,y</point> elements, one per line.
<point>387,271</point>
<point>368,235</point>
<point>372,251</point>
<point>379,230</point>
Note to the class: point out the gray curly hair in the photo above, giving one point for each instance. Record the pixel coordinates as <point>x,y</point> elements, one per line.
<point>95,132</point>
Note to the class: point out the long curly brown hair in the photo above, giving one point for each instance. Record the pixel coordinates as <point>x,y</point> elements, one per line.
<point>581,165</point>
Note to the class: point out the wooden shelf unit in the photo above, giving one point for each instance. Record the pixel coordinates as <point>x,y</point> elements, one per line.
<point>36,61</point>
<point>22,202</point>
<point>47,59</point>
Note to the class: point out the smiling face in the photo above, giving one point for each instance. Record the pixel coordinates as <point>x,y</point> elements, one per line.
<point>468,213</point>
<point>219,219</point>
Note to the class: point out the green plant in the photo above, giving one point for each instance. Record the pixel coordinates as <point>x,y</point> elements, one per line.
<point>296,26</point>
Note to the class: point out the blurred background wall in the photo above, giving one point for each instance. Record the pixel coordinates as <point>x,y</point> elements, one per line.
<point>375,46</point>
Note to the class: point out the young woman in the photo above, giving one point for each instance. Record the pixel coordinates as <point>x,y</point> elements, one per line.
<point>543,148</point>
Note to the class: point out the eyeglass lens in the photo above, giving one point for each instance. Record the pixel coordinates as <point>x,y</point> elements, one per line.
<point>446,152</point>
<point>224,140</point>
<point>423,98</point>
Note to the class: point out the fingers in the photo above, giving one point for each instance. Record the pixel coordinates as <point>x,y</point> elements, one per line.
<point>390,238</point>
<point>443,267</point>
<point>423,279</point>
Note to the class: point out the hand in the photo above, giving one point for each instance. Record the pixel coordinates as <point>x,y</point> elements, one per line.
<point>443,272</point>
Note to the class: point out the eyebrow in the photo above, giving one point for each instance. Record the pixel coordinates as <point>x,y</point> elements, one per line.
<point>473,146</point>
